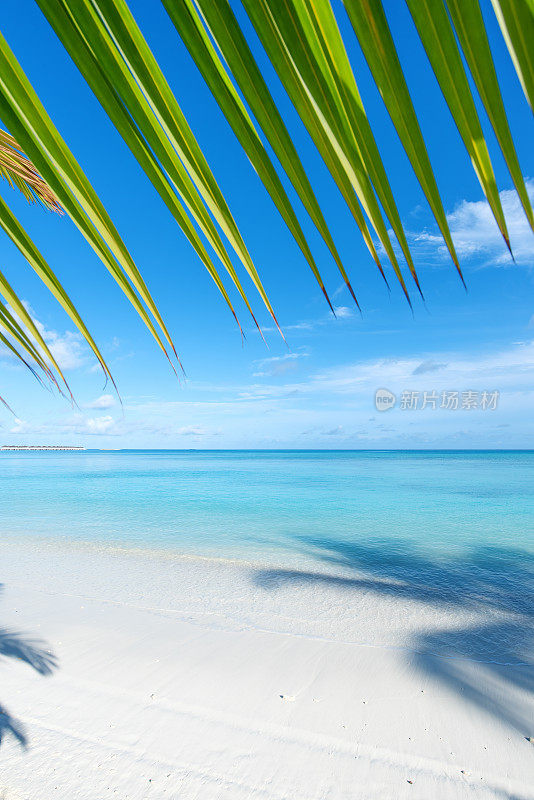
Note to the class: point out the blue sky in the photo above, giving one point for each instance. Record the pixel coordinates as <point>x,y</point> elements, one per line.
<point>319,390</point>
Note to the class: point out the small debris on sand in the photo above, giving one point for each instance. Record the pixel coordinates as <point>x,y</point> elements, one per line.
<point>288,697</point>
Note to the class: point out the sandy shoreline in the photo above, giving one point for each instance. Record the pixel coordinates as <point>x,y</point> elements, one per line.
<point>184,678</point>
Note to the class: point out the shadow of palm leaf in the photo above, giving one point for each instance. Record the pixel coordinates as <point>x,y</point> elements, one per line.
<point>457,669</point>
<point>9,725</point>
<point>497,585</point>
<point>31,651</point>
<point>35,654</point>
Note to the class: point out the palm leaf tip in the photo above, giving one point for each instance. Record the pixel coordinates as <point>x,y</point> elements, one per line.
<point>17,169</point>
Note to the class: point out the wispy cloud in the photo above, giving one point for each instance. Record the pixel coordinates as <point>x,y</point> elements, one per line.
<point>512,366</point>
<point>19,426</point>
<point>428,366</point>
<point>193,430</point>
<point>339,430</point>
<point>332,407</point>
<point>278,365</point>
<point>341,313</point>
<point>344,312</point>
<point>73,425</point>
<point>67,348</point>
<point>99,424</point>
<point>476,235</point>
<point>104,401</point>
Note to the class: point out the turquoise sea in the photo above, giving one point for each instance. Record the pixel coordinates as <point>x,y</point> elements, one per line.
<point>448,530</point>
<point>406,507</point>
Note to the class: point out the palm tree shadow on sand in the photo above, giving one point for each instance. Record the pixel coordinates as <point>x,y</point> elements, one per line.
<point>495,648</point>
<point>34,653</point>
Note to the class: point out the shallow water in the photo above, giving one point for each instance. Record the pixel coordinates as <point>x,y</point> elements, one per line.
<point>444,530</point>
<point>253,503</point>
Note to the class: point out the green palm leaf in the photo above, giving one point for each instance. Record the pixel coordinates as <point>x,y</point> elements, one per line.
<point>516,18</point>
<point>341,95</point>
<point>174,185</point>
<point>300,62</point>
<point>20,238</point>
<point>230,40</point>
<point>24,114</point>
<point>128,61</point>
<point>437,36</point>
<point>469,24</point>
<point>371,27</point>
<point>18,340</point>
<point>304,44</point>
<point>224,29</point>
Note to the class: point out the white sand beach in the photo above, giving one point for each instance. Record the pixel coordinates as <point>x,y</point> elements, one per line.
<point>136,675</point>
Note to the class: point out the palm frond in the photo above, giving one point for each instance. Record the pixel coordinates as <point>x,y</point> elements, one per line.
<point>306,46</point>
<point>129,111</point>
<point>36,260</point>
<point>26,118</point>
<point>116,39</point>
<point>516,18</point>
<point>223,27</point>
<point>437,35</point>
<point>230,41</point>
<point>470,29</point>
<point>371,27</point>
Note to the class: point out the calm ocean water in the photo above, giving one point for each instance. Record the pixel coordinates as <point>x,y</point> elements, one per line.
<point>342,505</point>
<point>453,531</point>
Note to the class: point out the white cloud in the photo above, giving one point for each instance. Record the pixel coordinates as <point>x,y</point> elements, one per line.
<point>475,232</point>
<point>192,430</point>
<point>73,425</point>
<point>67,348</point>
<point>339,430</point>
<point>20,426</point>
<point>95,367</point>
<point>511,367</point>
<point>278,365</point>
<point>329,407</point>
<point>104,401</point>
<point>99,424</point>
<point>343,312</point>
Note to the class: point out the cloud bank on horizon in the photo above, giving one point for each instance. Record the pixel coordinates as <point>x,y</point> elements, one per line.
<point>301,413</point>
